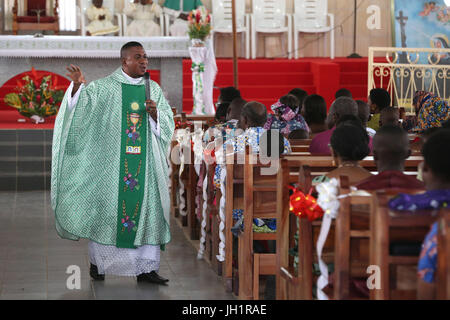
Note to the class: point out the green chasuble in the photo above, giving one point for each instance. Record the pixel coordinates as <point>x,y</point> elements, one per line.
<point>188,5</point>
<point>109,170</point>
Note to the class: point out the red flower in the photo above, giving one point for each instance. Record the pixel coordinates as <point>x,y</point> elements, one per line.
<point>50,100</point>
<point>54,83</point>
<point>198,17</point>
<point>34,74</point>
<point>38,98</point>
<point>24,99</point>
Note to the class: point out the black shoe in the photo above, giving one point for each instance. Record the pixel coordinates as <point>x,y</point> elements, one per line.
<point>93,272</point>
<point>152,277</point>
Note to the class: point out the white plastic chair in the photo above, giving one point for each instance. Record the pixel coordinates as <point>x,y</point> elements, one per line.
<point>221,20</point>
<point>269,16</point>
<point>85,4</point>
<point>162,19</point>
<point>310,16</point>
<point>167,22</point>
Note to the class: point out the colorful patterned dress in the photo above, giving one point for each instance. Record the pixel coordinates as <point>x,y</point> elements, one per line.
<point>435,199</point>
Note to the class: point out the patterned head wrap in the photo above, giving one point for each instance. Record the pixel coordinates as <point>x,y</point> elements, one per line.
<point>288,120</point>
<point>431,111</point>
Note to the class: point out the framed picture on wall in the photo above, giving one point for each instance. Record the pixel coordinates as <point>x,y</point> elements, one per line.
<point>421,24</point>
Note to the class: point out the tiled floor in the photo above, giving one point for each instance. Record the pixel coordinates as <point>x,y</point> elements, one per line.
<point>34,260</point>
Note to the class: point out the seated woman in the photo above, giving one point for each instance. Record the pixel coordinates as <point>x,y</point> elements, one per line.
<point>431,111</point>
<point>315,113</point>
<point>436,176</point>
<point>286,117</point>
<point>143,13</point>
<point>349,145</point>
<point>100,18</point>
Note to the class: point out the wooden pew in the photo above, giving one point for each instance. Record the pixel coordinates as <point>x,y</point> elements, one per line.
<point>212,231</point>
<point>189,178</point>
<point>234,186</point>
<point>443,271</point>
<point>259,202</point>
<point>234,195</point>
<point>411,226</point>
<point>299,286</point>
<point>191,192</point>
<point>208,120</point>
<point>293,285</point>
<point>174,179</point>
<point>300,145</point>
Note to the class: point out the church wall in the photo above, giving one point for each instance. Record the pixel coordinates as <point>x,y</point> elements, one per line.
<point>311,45</point>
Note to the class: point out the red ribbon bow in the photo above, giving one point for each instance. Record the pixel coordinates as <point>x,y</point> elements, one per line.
<point>305,206</point>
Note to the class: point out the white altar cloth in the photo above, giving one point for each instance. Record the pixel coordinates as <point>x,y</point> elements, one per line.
<point>89,47</point>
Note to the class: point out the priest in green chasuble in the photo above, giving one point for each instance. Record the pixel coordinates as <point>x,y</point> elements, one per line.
<point>110,171</point>
<point>178,10</point>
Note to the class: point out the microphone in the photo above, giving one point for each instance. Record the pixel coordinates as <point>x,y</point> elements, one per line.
<point>147,86</point>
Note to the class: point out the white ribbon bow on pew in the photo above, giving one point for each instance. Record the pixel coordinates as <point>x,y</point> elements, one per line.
<point>183,138</point>
<point>328,200</point>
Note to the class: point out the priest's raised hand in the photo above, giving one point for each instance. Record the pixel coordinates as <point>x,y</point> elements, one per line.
<point>76,76</point>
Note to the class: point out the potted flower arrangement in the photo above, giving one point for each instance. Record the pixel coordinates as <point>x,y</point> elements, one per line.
<point>199,21</point>
<point>34,99</point>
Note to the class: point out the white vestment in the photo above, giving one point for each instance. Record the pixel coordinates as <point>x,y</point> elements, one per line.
<point>143,24</point>
<point>100,27</point>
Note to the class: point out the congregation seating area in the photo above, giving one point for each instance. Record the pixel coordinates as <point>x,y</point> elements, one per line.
<point>365,233</point>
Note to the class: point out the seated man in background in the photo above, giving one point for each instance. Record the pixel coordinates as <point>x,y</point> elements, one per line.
<point>364,115</point>
<point>100,20</point>
<point>227,95</point>
<point>390,116</point>
<point>178,10</point>
<point>253,118</point>
<point>341,107</point>
<point>227,128</point>
<point>390,150</point>
<point>143,13</point>
<point>301,95</point>
<point>378,100</point>
<point>343,93</point>
<point>314,112</point>
<point>299,134</point>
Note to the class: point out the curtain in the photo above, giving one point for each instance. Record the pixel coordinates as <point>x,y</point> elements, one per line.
<point>67,15</point>
<point>8,5</point>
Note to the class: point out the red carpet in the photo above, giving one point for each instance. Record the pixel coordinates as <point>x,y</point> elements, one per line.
<point>263,80</point>
<point>266,80</point>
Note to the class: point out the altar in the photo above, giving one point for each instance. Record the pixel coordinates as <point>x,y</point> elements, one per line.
<point>96,56</point>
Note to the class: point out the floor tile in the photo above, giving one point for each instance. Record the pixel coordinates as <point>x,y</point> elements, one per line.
<point>34,261</point>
